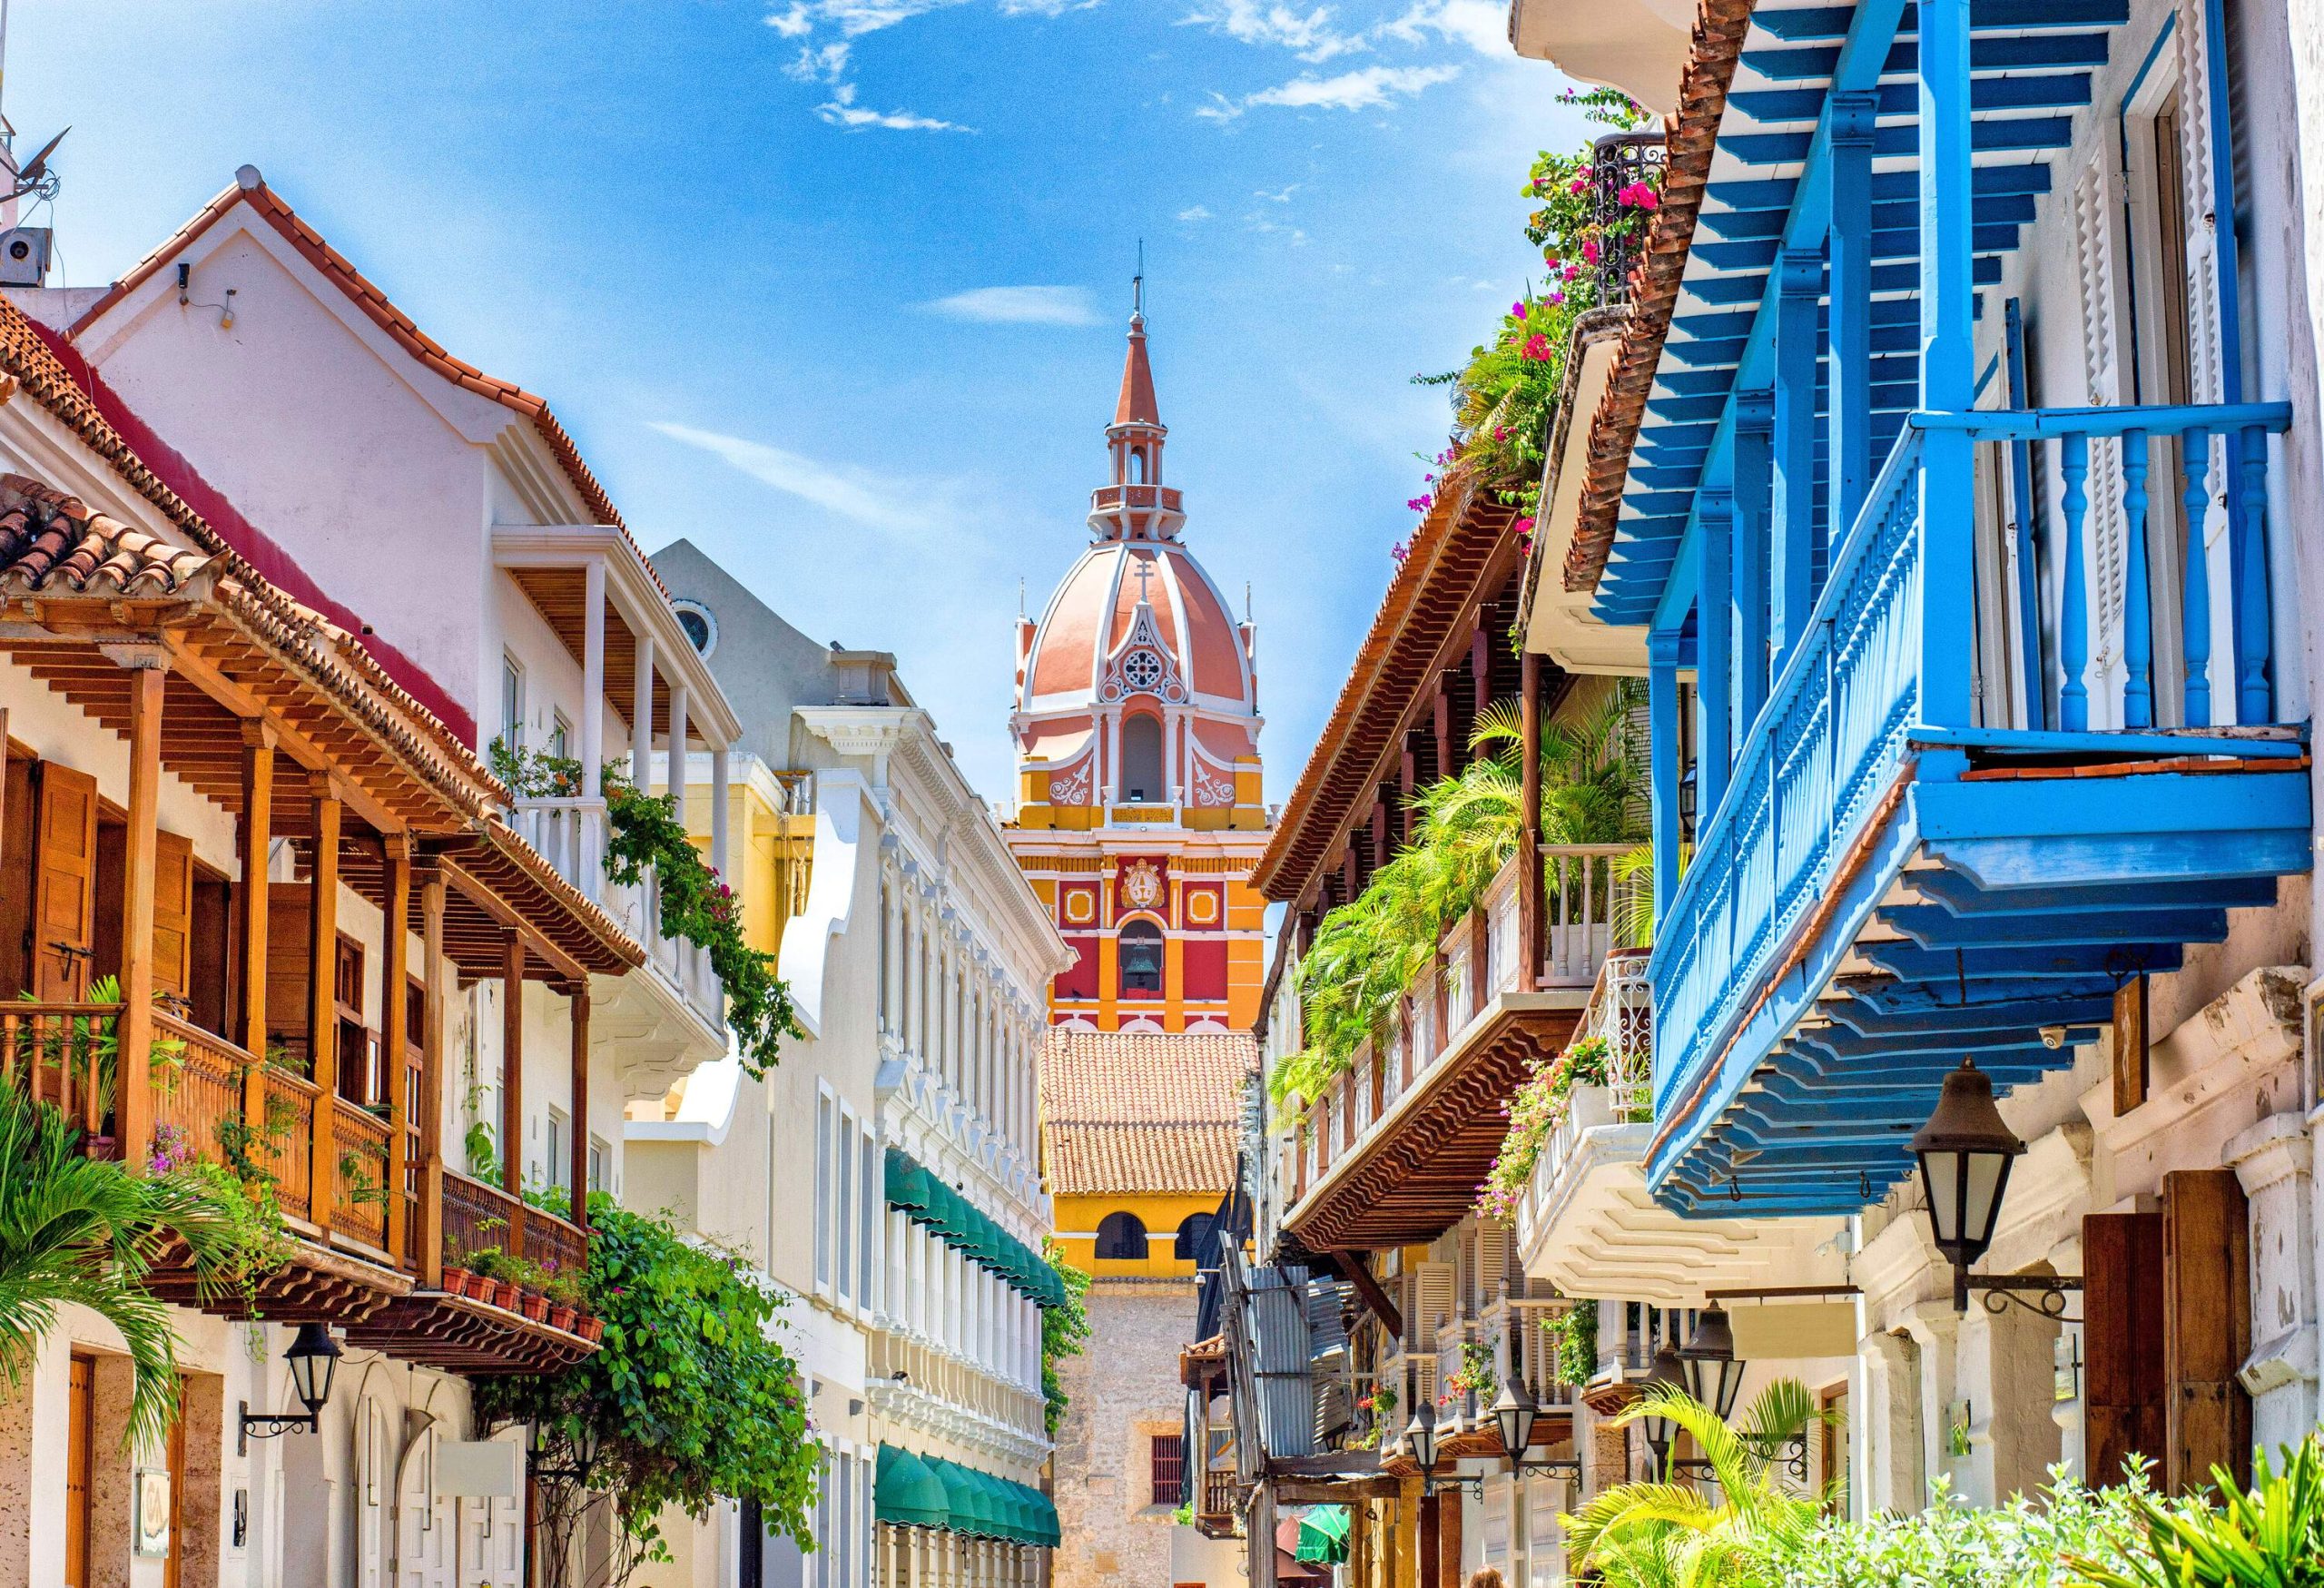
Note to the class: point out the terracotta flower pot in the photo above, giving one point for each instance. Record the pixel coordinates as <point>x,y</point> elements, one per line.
<point>592,1329</point>
<point>490,1292</point>
<point>560,1318</point>
<point>455,1281</point>
<point>533,1304</point>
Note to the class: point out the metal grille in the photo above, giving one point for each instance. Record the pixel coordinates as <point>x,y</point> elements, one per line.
<point>1168,1460</point>
<point>1616,161</point>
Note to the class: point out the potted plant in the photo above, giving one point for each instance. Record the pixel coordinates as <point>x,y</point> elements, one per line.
<point>455,1281</point>
<point>533,1304</point>
<point>561,1317</point>
<point>592,1328</point>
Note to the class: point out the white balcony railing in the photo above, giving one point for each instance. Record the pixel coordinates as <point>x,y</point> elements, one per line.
<point>1620,1011</point>
<point>570,835</point>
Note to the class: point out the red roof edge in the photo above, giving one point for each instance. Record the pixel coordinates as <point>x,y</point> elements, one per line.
<point>253,545</point>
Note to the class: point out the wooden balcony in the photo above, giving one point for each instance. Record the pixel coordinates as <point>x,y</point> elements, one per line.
<point>1394,1149</point>
<point>1920,854</point>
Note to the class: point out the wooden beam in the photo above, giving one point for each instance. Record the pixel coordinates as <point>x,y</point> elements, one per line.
<point>1357,1266</point>
<point>395,1007</point>
<point>430,1234</point>
<point>133,1090</point>
<point>322,1004</point>
<point>580,1142</point>
<point>505,915</point>
<point>256,835</point>
<point>512,1081</point>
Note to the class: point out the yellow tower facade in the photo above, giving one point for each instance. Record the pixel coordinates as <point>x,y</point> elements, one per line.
<point>1139,812</point>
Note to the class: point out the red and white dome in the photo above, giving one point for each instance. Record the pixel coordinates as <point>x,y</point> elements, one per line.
<point>1136,632</point>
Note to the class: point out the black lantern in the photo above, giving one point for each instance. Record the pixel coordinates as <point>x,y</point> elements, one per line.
<point>1420,1437</point>
<point>1714,1377</point>
<point>1515,1413</point>
<point>1661,1428</point>
<point>1964,1152</point>
<point>313,1361</point>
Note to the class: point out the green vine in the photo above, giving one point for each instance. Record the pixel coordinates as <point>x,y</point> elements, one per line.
<point>1573,1343</point>
<point>1065,1332</point>
<point>644,834</point>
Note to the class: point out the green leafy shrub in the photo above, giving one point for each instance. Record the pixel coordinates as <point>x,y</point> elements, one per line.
<point>1065,1332</point>
<point>2270,1535</point>
<point>687,1400</point>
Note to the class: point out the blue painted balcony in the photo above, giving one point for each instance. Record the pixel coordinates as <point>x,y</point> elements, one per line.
<point>1984,721</point>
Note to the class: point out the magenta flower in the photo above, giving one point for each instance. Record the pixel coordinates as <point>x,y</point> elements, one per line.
<point>1590,250</point>
<point>1523,526</point>
<point>1537,346</point>
<point>1418,504</point>
<point>1517,309</point>
<point>1638,195</point>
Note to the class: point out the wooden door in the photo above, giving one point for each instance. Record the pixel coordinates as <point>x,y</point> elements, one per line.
<point>173,1565</point>
<point>80,1420</point>
<point>2207,1306</point>
<point>173,916</point>
<point>64,886</point>
<point>2123,1348</point>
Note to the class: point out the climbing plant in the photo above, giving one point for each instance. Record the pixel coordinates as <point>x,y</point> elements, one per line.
<point>1065,1332</point>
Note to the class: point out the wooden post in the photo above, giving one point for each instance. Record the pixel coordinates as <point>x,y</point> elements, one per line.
<point>1427,1554</point>
<point>322,1001</point>
<point>580,1143</point>
<point>133,1088</point>
<point>396,1014</point>
<point>512,1083</point>
<point>1663,734</point>
<point>1529,822</point>
<point>257,834</point>
<point>1448,1540</point>
<point>430,1234</point>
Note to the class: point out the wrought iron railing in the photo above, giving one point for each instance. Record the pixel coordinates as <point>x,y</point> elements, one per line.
<point>1619,161</point>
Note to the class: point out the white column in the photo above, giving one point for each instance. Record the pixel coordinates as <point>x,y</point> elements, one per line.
<point>677,762</point>
<point>2275,1159</point>
<point>641,713</point>
<point>719,759</point>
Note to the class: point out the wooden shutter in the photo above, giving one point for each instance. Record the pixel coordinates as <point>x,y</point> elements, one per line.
<point>2207,1306</point>
<point>1492,1259</point>
<point>174,915</point>
<point>2123,1366</point>
<point>1435,1284</point>
<point>2100,250</point>
<point>65,888</point>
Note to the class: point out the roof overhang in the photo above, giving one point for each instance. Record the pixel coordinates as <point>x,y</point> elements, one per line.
<point>1559,622</point>
<point>1639,46</point>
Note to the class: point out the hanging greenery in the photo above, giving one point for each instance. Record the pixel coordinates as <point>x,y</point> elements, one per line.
<point>644,835</point>
<point>686,1401</point>
<point>1572,1337</point>
<point>1505,396</point>
<point>1535,1111</point>
<point>1065,1332</point>
<point>1368,952</point>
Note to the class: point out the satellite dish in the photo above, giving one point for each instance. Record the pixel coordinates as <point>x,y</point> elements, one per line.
<point>33,176</point>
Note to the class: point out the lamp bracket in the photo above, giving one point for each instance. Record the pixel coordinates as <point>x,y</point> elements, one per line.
<point>1568,1468</point>
<point>1475,1483</point>
<point>266,1426</point>
<point>2049,1292</point>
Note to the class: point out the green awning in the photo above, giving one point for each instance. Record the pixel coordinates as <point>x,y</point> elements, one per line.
<point>959,1223</point>
<point>1000,1514</point>
<point>1045,1528</point>
<point>1323,1535</point>
<point>905,1492</point>
<point>961,1513</point>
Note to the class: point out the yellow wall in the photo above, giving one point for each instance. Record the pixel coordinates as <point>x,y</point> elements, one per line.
<point>1077,1223</point>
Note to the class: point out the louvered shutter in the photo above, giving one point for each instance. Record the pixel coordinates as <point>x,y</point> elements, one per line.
<point>1435,1281</point>
<point>1493,1244</point>
<point>172,914</point>
<point>2206,367</point>
<point>2100,252</point>
<point>65,884</point>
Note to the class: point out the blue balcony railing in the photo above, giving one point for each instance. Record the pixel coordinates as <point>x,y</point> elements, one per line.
<point>1878,695</point>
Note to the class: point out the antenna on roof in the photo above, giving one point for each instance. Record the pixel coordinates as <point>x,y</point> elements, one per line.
<point>32,178</point>
<point>1137,282</point>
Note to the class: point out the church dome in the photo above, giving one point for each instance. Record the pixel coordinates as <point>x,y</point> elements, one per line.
<point>1138,682</point>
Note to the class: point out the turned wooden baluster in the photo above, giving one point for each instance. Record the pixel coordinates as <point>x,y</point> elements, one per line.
<point>2195,594</point>
<point>2073,621</point>
<point>2138,629</point>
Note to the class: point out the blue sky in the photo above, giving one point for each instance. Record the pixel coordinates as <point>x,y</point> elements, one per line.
<point>836,287</point>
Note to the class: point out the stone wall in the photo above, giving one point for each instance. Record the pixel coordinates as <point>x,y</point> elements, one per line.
<point>1124,1390</point>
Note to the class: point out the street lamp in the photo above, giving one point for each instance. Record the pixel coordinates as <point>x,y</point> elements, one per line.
<point>1964,1152</point>
<point>1714,1376</point>
<point>1661,1428</point>
<point>1420,1437</point>
<point>1515,1413</point>
<point>313,1361</point>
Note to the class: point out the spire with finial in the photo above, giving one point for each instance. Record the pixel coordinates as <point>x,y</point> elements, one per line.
<point>1136,505</point>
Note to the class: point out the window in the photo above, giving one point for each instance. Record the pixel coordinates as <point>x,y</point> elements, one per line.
<point>1166,1459</point>
<point>560,735</point>
<point>700,628</point>
<point>823,1191</point>
<point>1121,1238</point>
<point>1194,1236</point>
<point>560,1150</point>
<point>597,1151</point>
<point>846,1207</point>
<point>1142,753</point>
<point>512,702</point>
<point>1141,959</point>
<point>1138,466</point>
<point>867,1165</point>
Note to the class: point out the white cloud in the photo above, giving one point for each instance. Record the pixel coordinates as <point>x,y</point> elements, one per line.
<point>1310,35</point>
<point>1018,306</point>
<point>1194,214</point>
<point>1481,24</point>
<point>892,506</point>
<point>841,111</point>
<point>1370,88</point>
<point>1284,197</point>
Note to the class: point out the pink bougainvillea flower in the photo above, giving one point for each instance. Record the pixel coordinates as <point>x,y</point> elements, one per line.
<point>1581,184</point>
<point>1537,346</point>
<point>1501,432</point>
<point>1638,195</point>
<point>1590,250</point>
<point>1517,309</point>
<point>1523,526</point>
<point>1418,504</point>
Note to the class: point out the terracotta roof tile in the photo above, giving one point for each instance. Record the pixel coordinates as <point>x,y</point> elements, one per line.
<point>1690,135</point>
<point>1132,1112</point>
<point>382,309</point>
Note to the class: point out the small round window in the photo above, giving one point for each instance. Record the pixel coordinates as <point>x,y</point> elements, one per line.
<point>701,629</point>
<point>1143,668</point>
